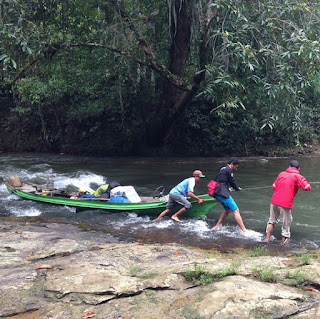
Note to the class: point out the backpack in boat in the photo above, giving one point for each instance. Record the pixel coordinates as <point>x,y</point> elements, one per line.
<point>212,185</point>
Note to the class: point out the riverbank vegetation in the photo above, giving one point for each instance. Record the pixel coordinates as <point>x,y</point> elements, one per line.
<point>132,77</point>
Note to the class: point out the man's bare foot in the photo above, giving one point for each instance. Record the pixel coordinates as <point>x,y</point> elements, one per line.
<point>267,241</point>
<point>176,218</point>
<point>157,219</point>
<point>217,227</point>
<point>285,241</point>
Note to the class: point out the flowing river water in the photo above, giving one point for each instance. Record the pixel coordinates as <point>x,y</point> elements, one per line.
<point>255,175</point>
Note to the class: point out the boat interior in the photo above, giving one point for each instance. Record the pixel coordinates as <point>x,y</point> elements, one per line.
<point>44,190</point>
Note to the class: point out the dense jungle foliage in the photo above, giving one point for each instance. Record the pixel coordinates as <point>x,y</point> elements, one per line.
<point>175,77</point>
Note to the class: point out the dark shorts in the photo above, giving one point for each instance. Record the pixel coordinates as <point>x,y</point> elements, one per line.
<point>178,200</point>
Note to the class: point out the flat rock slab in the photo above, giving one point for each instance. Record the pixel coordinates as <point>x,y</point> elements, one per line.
<point>59,271</point>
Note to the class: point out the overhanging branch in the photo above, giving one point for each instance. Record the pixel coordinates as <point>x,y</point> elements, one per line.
<point>153,64</point>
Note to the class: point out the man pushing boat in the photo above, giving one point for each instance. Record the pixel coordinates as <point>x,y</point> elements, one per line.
<point>178,194</point>
<point>222,193</point>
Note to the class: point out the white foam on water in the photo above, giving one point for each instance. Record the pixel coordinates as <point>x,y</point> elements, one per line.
<point>24,212</point>
<point>83,180</point>
<point>195,225</point>
<point>30,175</point>
<point>253,234</point>
<point>162,224</point>
<point>307,225</point>
<point>4,192</point>
<point>199,227</point>
<point>147,222</point>
<point>132,219</point>
<point>236,232</point>
<point>11,197</point>
<point>70,209</point>
<point>40,166</point>
<point>79,180</point>
<point>309,244</point>
<point>135,218</point>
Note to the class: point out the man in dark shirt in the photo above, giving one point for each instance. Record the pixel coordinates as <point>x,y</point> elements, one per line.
<point>222,193</point>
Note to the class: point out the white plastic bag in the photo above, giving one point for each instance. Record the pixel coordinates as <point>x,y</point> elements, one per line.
<point>129,191</point>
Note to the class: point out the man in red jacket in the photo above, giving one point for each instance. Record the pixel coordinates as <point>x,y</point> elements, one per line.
<point>285,188</point>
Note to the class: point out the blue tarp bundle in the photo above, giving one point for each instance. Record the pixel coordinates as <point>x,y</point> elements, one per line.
<point>118,199</point>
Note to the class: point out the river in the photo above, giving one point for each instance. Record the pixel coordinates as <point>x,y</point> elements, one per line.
<point>255,175</point>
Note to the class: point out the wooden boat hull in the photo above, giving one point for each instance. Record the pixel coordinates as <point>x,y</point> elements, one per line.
<point>143,208</point>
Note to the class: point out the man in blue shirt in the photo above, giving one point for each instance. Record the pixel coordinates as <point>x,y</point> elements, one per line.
<point>178,194</point>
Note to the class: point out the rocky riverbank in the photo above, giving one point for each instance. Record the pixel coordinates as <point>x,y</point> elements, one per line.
<point>58,271</point>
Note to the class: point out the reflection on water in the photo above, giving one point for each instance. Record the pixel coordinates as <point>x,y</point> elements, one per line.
<point>255,176</point>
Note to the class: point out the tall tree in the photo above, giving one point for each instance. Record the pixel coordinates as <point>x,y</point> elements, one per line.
<point>249,54</point>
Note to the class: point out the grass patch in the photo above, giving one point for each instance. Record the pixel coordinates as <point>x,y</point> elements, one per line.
<point>200,275</point>
<point>297,278</point>
<point>265,273</point>
<point>304,258</point>
<point>148,275</point>
<point>258,313</point>
<point>230,270</point>
<point>212,253</point>
<point>317,254</point>
<point>258,251</point>
<point>134,270</point>
<point>297,275</point>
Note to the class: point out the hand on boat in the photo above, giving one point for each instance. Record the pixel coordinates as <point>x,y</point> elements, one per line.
<point>200,201</point>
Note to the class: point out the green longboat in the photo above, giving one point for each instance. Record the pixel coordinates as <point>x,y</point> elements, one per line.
<point>148,205</point>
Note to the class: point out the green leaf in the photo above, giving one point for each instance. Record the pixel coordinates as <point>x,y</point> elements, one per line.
<point>14,64</point>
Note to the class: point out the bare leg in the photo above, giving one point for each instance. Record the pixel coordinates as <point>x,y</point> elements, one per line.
<point>270,229</point>
<point>223,216</point>
<point>179,212</point>
<point>238,219</point>
<point>166,211</point>
<point>284,240</point>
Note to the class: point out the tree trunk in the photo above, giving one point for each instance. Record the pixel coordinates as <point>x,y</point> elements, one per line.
<point>175,101</point>
<point>180,32</point>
